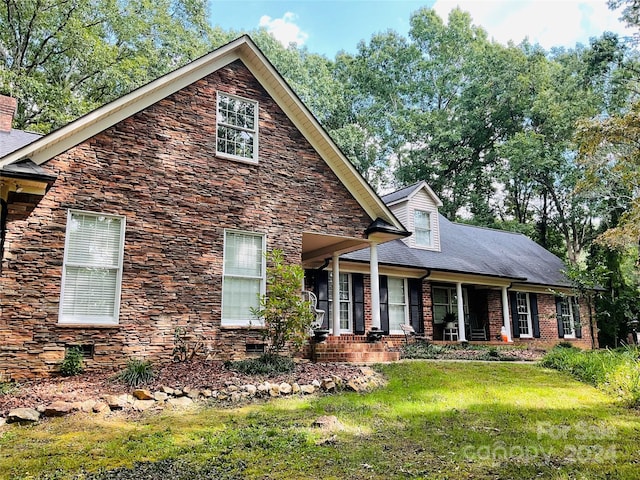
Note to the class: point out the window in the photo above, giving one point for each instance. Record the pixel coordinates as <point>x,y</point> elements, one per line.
<point>524,314</point>
<point>237,128</point>
<point>398,312</point>
<point>92,269</point>
<point>445,300</point>
<point>566,316</point>
<point>422,227</point>
<point>345,302</point>
<point>244,276</point>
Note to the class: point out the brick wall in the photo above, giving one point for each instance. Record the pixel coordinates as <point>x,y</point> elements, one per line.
<point>159,169</point>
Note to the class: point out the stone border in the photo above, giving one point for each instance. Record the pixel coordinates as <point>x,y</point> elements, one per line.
<point>141,399</point>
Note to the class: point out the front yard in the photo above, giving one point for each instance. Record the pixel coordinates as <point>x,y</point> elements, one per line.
<point>444,420</point>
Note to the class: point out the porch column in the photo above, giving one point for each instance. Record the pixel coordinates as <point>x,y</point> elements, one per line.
<point>506,319</point>
<point>375,286</point>
<point>462,336</point>
<point>335,311</point>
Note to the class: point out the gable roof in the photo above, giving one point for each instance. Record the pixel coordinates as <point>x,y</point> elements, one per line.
<point>243,49</point>
<point>407,193</point>
<point>14,139</point>
<point>476,250</point>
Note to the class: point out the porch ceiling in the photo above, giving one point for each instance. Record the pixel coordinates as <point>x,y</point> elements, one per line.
<point>316,248</point>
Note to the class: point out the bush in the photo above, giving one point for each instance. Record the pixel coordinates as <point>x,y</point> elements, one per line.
<point>136,373</point>
<point>616,372</point>
<point>72,363</point>
<point>263,365</point>
<point>422,350</point>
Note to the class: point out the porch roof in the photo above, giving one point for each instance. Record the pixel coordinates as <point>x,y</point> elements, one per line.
<point>479,251</point>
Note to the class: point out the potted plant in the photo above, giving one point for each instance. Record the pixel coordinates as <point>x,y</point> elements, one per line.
<point>374,335</point>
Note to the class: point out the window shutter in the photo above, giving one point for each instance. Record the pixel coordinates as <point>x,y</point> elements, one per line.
<point>515,324</point>
<point>322,292</point>
<point>415,304</point>
<point>357,284</point>
<point>384,304</point>
<point>535,317</point>
<point>559,317</point>
<point>576,318</point>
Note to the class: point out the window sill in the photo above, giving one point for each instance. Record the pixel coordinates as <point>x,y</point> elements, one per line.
<point>88,325</point>
<point>235,158</point>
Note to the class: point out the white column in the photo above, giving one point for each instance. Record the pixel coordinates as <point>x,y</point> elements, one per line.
<point>375,286</point>
<point>506,319</point>
<point>335,313</point>
<point>462,337</point>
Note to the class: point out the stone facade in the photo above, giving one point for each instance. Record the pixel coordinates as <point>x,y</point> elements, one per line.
<point>159,169</point>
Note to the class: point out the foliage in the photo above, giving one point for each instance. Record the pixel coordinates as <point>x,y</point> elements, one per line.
<point>6,385</point>
<point>137,372</point>
<point>286,315</point>
<point>422,350</point>
<point>72,363</point>
<point>264,365</point>
<point>615,371</point>
<point>63,59</point>
<point>404,430</point>
<point>185,349</point>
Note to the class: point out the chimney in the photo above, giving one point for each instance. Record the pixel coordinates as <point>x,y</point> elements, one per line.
<point>8,106</point>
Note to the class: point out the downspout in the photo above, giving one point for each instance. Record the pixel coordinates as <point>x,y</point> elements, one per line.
<point>4,212</point>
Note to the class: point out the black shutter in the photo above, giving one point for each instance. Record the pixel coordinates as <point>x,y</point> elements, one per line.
<point>322,292</point>
<point>415,304</point>
<point>576,317</point>
<point>535,320</point>
<point>384,304</point>
<point>559,317</point>
<point>357,284</point>
<point>515,324</point>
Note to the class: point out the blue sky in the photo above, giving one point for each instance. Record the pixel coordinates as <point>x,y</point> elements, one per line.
<point>329,26</point>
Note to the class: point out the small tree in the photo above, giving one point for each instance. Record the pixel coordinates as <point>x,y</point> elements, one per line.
<point>286,315</point>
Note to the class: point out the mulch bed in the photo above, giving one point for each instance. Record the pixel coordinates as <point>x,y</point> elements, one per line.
<point>194,374</point>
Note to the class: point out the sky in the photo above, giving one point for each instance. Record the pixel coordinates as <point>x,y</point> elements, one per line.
<point>330,26</point>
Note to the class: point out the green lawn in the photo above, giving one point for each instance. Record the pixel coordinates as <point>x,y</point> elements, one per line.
<point>439,420</point>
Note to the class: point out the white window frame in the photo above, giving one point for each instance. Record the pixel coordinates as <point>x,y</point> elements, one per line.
<point>416,212</point>
<point>452,302</point>
<point>252,132</point>
<point>569,303</point>
<point>250,320</point>
<point>348,302</point>
<point>527,304</point>
<point>405,304</point>
<point>66,319</point>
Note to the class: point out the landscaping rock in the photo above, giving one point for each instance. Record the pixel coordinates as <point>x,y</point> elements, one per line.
<point>142,394</point>
<point>354,385</point>
<point>285,388</point>
<point>206,393</point>
<point>86,406</point>
<point>160,396</point>
<point>167,390</point>
<point>307,389</point>
<point>142,405</point>
<point>250,389</point>
<point>328,385</point>
<point>180,402</point>
<point>316,383</point>
<point>101,407</point>
<point>23,415</point>
<point>2,421</point>
<point>117,402</point>
<point>295,388</point>
<point>58,409</point>
<point>193,394</point>
<point>274,390</point>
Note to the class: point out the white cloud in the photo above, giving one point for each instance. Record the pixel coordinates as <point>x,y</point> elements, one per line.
<point>284,29</point>
<point>549,23</point>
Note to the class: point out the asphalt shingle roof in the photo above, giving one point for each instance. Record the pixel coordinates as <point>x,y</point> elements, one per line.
<point>476,250</point>
<point>15,139</point>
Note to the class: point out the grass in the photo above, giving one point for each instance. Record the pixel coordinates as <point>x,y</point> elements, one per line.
<point>440,420</point>
<point>614,371</point>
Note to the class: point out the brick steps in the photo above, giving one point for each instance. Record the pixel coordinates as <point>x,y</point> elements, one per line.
<point>356,352</point>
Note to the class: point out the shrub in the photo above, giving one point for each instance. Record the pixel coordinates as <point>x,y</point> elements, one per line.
<point>6,385</point>
<point>263,365</point>
<point>136,373</point>
<point>286,315</point>
<point>422,350</point>
<point>72,363</point>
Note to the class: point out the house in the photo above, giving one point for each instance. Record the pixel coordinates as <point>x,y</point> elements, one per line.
<point>151,215</point>
<point>457,282</point>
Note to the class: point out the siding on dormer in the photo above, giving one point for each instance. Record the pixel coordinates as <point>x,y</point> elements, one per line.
<point>404,212</point>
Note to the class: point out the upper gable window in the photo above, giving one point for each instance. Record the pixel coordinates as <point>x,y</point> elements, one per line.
<point>422,227</point>
<point>237,128</point>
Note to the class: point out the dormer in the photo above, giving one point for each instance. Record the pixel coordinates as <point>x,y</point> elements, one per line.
<point>416,207</point>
